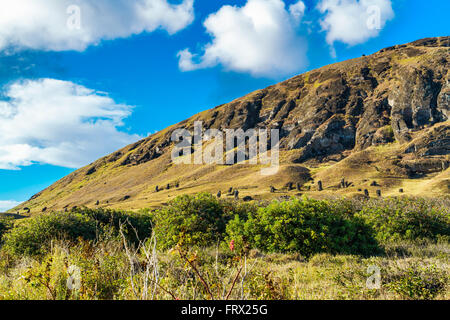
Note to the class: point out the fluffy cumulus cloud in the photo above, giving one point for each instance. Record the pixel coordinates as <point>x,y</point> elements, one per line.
<point>59,123</point>
<point>73,25</point>
<point>259,38</point>
<point>5,205</point>
<point>354,21</point>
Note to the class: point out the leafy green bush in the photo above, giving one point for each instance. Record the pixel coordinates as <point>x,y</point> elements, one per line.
<point>32,236</point>
<point>406,219</point>
<point>306,226</point>
<point>5,225</point>
<point>196,220</point>
<point>136,226</point>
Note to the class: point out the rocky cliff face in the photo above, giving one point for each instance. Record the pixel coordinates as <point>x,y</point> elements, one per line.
<point>324,115</point>
<point>351,105</point>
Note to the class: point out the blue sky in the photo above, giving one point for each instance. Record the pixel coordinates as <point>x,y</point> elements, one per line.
<point>71,93</point>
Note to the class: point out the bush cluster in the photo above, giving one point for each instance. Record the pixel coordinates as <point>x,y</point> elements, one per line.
<point>306,226</point>
<point>33,236</point>
<point>196,220</point>
<point>303,226</point>
<point>406,219</point>
<point>5,225</point>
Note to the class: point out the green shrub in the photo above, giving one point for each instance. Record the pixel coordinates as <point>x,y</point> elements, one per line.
<point>197,220</point>
<point>419,283</point>
<point>136,226</point>
<point>5,225</point>
<point>406,219</point>
<point>306,226</point>
<point>33,236</point>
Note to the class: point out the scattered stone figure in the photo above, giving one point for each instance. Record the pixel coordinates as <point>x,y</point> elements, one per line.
<point>236,194</point>
<point>359,190</point>
<point>156,189</point>
<point>319,185</point>
<point>366,192</point>
<point>374,184</point>
<point>219,194</point>
<point>272,189</point>
<point>247,198</point>
<point>97,203</point>
<point>343,185</point>
<point>177,185</point>
<point>401,190</point>
<point>65,209</point>
<point>378,193</point>
<point>290,187</point>
<point>168,186</point>
<point>44,209</point>
<point>299,186</point>
<point>230,190</point>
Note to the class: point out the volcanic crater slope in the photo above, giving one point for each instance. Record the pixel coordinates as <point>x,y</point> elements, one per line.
<point>377,123</point>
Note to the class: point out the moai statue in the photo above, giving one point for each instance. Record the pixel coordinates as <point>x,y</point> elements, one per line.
<point>401,190</point>
<point>299,186</point>
<point>319,185</point>
<point>156,189</point>
<point>177,185</point>
<point>97,203</point>
<point>219,194</point>
<point>378,193</point>
<point>168,186</point>
<point>272,189</point>
<point>230,190</point>
<point>236,194</point>
<point>366,192</point>
<point>290,187</point>
<point>343,183</point>
<point>44,209</point>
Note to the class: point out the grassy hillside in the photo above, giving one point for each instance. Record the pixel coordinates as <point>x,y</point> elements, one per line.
<point>133,189</point>
<point>381,118</point>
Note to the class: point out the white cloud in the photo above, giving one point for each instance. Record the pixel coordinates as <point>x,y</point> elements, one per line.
<point>259,38</point>
<point>49,24</point>
<point>5,205</point>
<point>354,21</point>
<point>58,123</point>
